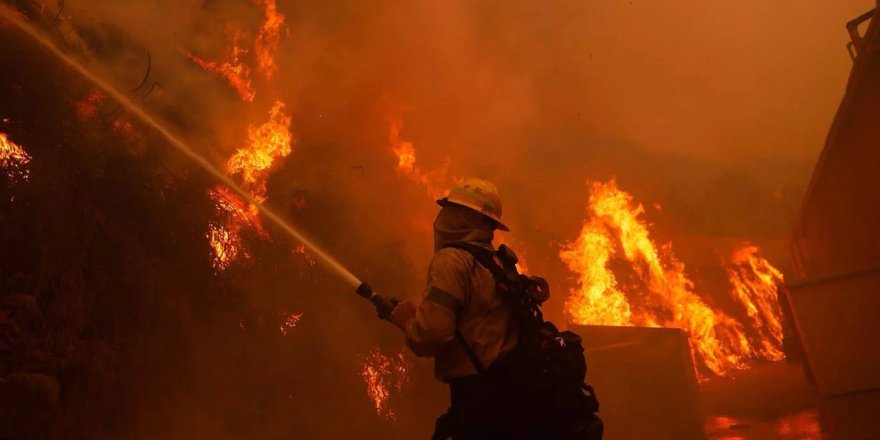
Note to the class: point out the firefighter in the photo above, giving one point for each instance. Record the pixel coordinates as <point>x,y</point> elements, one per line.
<point>462,322</point>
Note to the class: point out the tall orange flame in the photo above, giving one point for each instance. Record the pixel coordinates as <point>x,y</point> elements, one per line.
<point>382,375</point>
<point>657,291</point>
<point>14,160</point>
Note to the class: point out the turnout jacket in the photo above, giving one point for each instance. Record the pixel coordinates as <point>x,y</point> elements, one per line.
<point>461,296</point>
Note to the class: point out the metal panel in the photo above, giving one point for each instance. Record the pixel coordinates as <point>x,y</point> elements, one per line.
<point>645,381</point>
<point>839,326</point>
<point>853,416</point>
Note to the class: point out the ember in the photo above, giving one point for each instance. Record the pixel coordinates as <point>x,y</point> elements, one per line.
<point>289,323</point>
<point>14,160</point>
<point>662,294</point>
<point>225,245</point>
<point>383,375</point>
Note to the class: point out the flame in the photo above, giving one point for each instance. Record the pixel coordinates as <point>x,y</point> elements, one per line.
<point>14,160</point>
<point>265,143</point>
<point>233,70</point>
<point>252,163</point>
<point>755,286</point>
<point>289,323</point>
<point>435,182</point>
<point>383,374</point>
<point>266,44</point>
<point>656,291</point>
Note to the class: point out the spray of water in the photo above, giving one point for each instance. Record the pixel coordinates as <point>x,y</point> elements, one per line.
<point>334,266</point>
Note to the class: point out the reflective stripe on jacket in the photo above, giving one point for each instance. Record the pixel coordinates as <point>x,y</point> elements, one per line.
<point>461,295</point>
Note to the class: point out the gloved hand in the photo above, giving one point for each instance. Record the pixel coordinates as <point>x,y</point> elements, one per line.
<point>402,314</point>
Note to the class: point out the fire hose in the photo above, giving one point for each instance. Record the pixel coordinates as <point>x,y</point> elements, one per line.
<point>383,305</point>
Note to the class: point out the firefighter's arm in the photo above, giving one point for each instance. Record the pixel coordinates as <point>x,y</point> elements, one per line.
<point>434,320</point>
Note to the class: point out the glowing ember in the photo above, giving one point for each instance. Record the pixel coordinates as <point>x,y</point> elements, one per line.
<point>657,291</point>
<point>225,245</point>
<point>265,143</point>
<point>289,323</point>
<point>266,44</point>
<point>125,129</point>
<point>87,107</point>
<point>301,253</point>
<point>14,160</point>
<point>383,375</point>
<point>225,237</point>
<point>755,285</point>
<point>232,70</point>
<point>435,182</point>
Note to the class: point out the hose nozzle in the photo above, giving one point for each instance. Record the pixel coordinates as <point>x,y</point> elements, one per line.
<point>384,305</point>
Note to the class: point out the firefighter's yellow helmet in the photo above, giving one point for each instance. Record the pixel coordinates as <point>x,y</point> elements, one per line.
<point>479,195</point>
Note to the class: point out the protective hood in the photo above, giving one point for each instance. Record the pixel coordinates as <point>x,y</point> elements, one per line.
<point>459,224</point>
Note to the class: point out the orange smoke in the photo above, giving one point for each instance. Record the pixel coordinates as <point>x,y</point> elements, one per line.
<point>233,69</point>
<point>383,375</point>
<point>650,288</point>
<point>14,160</point>
<point>435,182</point>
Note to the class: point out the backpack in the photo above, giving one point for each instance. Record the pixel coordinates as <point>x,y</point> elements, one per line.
<point>547,365</point>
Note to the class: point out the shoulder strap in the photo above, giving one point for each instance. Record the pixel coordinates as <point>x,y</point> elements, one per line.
<point>486,259</point>
<point>484,256</point>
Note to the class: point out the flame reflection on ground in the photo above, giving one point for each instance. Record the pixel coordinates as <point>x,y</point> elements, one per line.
<point>794,426</point>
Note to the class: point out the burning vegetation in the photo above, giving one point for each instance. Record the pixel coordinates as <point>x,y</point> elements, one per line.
<point>252,164</point>
<point>627,279</point>
<point>384,376</point>
<point>13,160</point>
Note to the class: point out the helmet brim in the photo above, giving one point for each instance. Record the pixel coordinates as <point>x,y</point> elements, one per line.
<point>500,226</point>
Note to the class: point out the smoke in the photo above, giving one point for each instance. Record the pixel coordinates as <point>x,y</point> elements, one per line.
<point>714,111</point>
